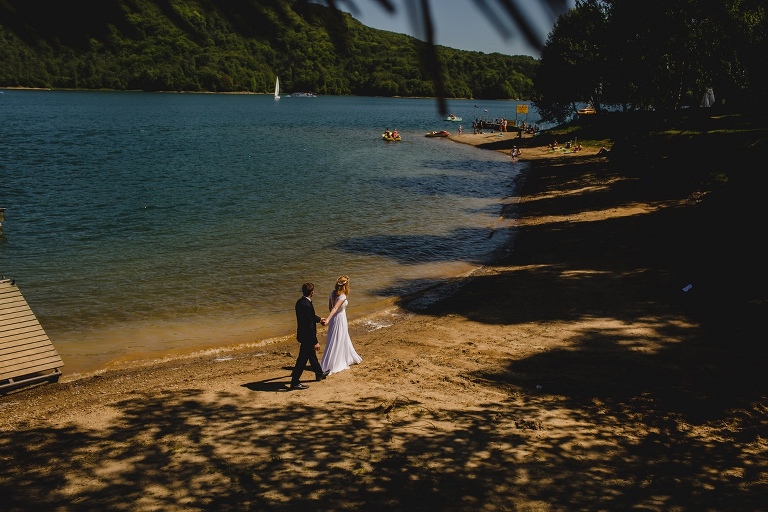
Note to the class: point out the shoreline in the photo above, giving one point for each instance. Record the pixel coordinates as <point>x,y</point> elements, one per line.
<point>383,313</point>
<point>86,366</point>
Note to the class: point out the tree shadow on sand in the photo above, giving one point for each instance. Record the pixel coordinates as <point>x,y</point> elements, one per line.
<point>166,454</point>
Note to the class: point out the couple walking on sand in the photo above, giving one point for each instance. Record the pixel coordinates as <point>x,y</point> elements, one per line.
<point>339,352</point>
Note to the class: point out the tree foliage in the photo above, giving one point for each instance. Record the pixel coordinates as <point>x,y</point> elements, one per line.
<point>235,46</point>
<point>656,54</point>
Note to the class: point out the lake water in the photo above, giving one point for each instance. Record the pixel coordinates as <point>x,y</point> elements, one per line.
<point>143,226</point>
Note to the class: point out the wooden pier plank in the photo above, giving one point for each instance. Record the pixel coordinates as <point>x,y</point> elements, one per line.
<point>26,351</point>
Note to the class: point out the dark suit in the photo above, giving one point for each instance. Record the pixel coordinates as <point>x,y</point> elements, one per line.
<point>306,333</point>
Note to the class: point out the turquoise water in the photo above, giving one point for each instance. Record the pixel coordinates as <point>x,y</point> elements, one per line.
<point>143,225</point>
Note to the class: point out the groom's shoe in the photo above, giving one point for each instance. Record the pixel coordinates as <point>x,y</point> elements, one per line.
<point>299,386</point>
<point>322,376</point>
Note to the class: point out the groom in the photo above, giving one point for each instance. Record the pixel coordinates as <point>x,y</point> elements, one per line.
<point>306,333</point>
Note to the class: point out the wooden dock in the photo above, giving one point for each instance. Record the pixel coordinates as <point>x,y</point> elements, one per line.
<point>27,355</point>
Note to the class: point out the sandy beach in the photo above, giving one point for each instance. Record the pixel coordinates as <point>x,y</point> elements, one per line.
<point>573,374</point>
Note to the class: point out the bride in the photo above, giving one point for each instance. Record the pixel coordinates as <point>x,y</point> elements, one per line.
<point>339,352</point>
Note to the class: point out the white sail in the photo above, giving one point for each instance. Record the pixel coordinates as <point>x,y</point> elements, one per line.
<point>277,88</point>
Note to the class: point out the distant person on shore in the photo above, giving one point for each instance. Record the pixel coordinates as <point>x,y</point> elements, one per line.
<point>515,152</point>
<point>306,334</point>
<point>339,352</point>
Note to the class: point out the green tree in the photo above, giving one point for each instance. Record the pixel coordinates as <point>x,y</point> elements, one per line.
<point>573,62</point>
<point>657,54</point>
<point>195,45</point>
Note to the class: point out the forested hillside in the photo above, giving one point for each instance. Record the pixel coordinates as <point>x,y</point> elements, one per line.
<point>235,46</point>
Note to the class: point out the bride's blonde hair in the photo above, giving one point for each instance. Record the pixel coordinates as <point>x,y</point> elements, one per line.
<point>342,285</point>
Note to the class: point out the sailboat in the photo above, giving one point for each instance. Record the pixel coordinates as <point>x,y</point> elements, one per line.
<point>277,88</point>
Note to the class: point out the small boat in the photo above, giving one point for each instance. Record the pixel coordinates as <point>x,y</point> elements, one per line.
<point>586,111</point>
<point>441,133</point>
<point>304,95</point>
<point>389,137</point>
<point>277,88</point>
<point>453,118</point>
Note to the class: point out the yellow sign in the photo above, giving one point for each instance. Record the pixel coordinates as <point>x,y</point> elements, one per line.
<point>522,109</point>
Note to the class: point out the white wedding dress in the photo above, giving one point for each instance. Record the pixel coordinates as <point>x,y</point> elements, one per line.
<point>339,352</point>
